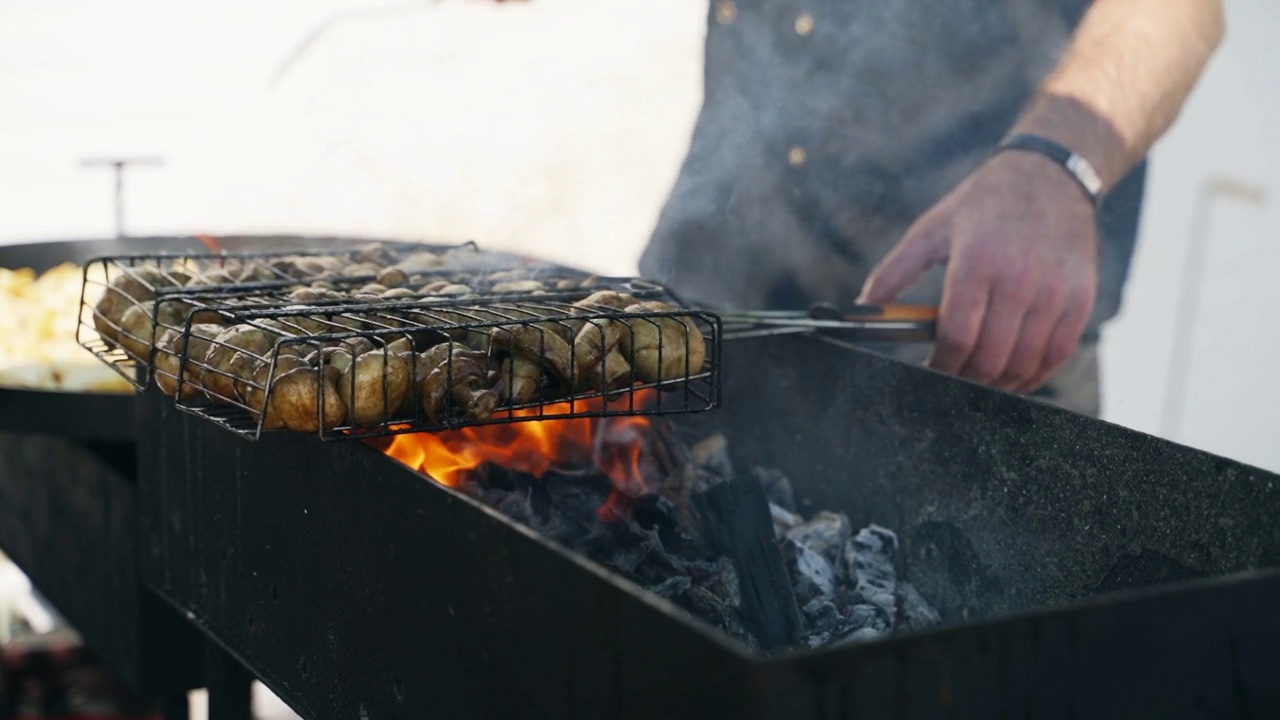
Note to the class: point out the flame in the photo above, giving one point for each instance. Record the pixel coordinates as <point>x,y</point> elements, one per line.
<point>210,242</point>
<point>613,445</point>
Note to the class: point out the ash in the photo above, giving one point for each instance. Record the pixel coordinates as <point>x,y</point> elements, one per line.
<point>842,581</point>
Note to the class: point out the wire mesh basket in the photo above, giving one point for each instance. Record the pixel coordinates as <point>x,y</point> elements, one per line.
<point>128,301</point>
<point>362,369</point>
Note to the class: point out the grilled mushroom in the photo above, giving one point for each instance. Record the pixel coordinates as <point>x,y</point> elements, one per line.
<point>371,386</point>
<point>232,356</point>
<point>168,359</point>
<point>134,287</point>
<point>537,345</point>
<point>665,347</point>
<point>458,382</point>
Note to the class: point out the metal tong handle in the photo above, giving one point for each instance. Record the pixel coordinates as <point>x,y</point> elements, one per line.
<point>868,323</point>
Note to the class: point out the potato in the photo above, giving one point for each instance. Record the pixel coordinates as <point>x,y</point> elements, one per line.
<point>677,337</point>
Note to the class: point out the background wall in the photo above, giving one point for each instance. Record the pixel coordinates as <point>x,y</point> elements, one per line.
<point>555,127</point>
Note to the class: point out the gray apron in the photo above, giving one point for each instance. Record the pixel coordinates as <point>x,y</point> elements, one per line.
<point>829,126</point>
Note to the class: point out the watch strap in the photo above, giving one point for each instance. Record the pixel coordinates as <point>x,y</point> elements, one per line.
<point>1076,165</point>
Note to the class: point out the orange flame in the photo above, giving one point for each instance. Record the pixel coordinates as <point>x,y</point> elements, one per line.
<point>210,242</point>
<point>613,445</point>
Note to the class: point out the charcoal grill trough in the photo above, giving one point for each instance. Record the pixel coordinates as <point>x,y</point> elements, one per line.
<point>1082,570</point>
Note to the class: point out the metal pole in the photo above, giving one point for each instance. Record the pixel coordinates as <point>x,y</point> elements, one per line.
<point>118,165</point>
<point>1184,329</point>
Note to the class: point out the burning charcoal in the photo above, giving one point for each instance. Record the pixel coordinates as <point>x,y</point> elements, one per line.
<point>913,610</point>
<point>712,454</point>
<point>826,534</point>
<point>869,559</point>
<point>671,587</point>
<point>516,505</point>
<point>812,575</point>
<point>777,487</point>
<point>655,511</point>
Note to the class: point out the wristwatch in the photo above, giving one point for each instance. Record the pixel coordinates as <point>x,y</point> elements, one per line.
<point>1079,168</point>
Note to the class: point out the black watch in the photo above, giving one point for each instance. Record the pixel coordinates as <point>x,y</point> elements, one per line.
<point>1079,168</point>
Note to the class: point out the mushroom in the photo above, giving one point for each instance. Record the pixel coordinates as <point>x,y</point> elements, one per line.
<point>372,385</point>
<point>169,362</point>
<point>133,287</point>
<point>392,277</point>
<point>517,286</point>
<point>458,382</point>
<point>360,270</point>
<point>518,380</point>
<point>374,253</point>
<point>537,345</point>
<point>262,384</point>
<point>231,357</point>
<point>304,399</point>
<point>455,290</point>
<point>662,348</point>
<point>134,335</point>
<point>594,341</point>
<point>598,364</point>
<point>397,293</point>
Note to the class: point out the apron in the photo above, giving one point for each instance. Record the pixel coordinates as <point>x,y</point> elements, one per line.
<point>828,126</point>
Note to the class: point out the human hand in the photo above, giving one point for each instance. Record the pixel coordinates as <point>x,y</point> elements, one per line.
<point>1019,241</point>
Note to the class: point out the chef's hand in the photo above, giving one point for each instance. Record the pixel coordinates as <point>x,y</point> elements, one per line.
<point>1019,242</point>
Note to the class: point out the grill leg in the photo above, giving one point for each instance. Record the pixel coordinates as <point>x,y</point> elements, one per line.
<point>230,686</point>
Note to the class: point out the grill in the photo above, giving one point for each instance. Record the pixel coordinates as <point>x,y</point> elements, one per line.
<point>318,343</point>
<point>1080,569</point>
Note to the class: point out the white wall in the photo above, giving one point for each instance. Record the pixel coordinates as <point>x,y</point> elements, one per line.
<point>553,126</point>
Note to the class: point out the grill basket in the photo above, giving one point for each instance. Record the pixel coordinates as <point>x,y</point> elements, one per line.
<point>372,342</point>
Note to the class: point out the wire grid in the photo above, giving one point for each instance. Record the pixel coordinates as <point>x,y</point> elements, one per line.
<point>354,371</point>
<point>127,301</point>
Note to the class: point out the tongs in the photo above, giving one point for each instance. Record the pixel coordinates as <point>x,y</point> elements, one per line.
<point>864,323</point>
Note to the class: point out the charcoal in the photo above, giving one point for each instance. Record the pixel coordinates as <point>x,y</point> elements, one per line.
<point>671,587</point>
<point>712,455</point>
<point>777,487</point>
<point>913,610</point>
<point>655,511</point>
<point>869,560</point>
<point>822,614</point>
<point>626,558</point>
<point>518,505</point>
<point>735,521</point>
<point>783,520</point>
<point>811,573</point>
<point>721,580</point>
<point>826,534</point>
<point>731,551</point>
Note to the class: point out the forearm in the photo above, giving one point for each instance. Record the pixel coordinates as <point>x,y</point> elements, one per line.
<point>1124,79</point>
